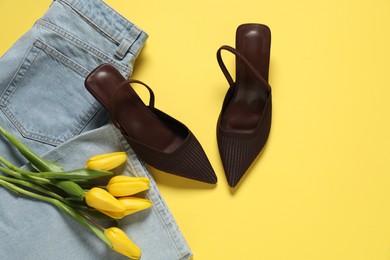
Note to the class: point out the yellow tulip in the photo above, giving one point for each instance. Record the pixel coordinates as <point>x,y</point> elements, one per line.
<point>121,185</point>
<point>122,243</point>
<point>106,162</point>
<point>103,201</point>
<point>134,204</point>
<point>114,215</point>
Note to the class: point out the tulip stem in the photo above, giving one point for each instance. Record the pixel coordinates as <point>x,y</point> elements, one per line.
<point>76,175</point>
<point>23,177</point>
<point>92,221</point>
<point>13,167</point>
<point>69,187</point>
<point>60,205</point>
<point>33,186</point>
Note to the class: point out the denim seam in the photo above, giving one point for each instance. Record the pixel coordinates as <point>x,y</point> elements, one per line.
<point>10,89</point>
<point>186,256</point>
<point>158,208</point>
<point>82,121</point>
<point>42,46</point>
<point>7,90</point>
<point>168,216</point>
<point>83,45</point>
<point>108,35</point>
<point>99,28</point>
<point>61,57</point>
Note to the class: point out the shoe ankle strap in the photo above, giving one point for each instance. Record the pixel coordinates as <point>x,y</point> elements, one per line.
<point>243,59</point>
<point>125,83</point>
<point>129,82</point>
<point>151,94</point>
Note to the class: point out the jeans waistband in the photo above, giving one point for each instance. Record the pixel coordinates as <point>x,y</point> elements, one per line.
<point>126,35</point>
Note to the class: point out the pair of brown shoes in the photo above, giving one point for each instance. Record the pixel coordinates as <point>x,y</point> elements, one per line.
<point>168,145</point>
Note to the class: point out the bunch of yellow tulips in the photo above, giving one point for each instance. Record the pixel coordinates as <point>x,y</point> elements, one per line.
<point>74,192</point>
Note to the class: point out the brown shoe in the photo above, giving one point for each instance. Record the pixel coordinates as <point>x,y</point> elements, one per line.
<point>245,119</point>
<point>158,139</point>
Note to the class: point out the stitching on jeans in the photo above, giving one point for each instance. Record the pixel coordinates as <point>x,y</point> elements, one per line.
<point>93,51</point>
<point>18,77</point>
<point>9,90</point>
<point>114,39</point>
<point>90,21</point>
<point>41,46</point>
<point>122,21</point>
<point>165,224</point>
<point>78,69</point>
<point>83,45</point>
<point>61,57</point>
<point>10,114</point>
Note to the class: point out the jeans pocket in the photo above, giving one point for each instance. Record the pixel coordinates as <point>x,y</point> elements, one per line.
<point>46,99</point>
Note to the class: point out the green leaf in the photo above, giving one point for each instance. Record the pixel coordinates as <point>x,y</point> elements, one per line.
<point>78,174</point>
<point>38,162</point>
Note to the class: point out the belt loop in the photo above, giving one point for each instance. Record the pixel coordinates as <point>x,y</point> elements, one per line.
<point>122,49</point>
<point>127,42</point>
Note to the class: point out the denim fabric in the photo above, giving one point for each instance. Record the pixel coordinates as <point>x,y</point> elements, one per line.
<point>43,102</point>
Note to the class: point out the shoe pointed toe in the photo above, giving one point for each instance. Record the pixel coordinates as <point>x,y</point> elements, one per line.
<point>239,150</point>
<point>192,162</point>
<point>237,155</point>
<point>188,161</point>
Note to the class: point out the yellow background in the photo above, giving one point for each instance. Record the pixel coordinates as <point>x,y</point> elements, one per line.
<point>320,190</point>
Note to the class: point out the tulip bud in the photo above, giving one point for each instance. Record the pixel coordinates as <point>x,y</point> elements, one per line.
<point>106,162</point>
<point>134,204</point>
<point>103,201</point>
<point>122,185</point>
<point>122,243</point>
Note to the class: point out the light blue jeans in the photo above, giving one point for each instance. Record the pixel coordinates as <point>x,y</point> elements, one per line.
<point>44,103</point>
